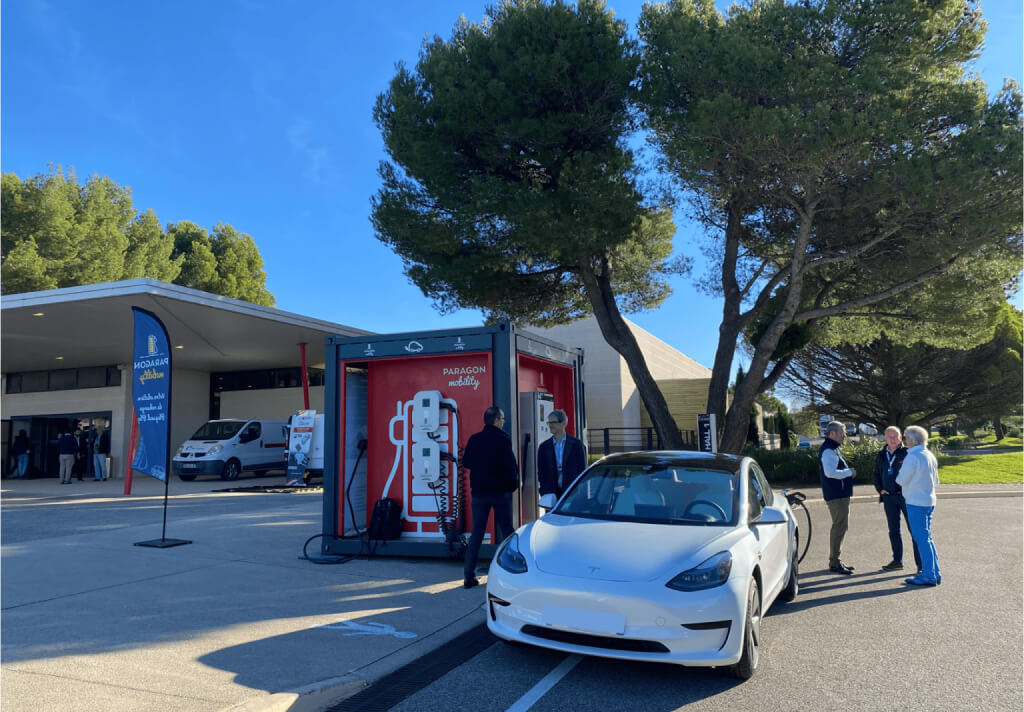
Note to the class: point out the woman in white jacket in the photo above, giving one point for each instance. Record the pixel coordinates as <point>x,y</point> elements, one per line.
<point>918,478</point>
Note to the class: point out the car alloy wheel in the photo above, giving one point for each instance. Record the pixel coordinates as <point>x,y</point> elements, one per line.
<point>792,584</point>
<point>745,668</point>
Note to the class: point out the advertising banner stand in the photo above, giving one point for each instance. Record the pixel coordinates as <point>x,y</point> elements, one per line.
<point>399,409</point>
<point>151,396</point>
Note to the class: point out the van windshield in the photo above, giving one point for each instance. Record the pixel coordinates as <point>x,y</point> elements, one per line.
<point>218,430</point>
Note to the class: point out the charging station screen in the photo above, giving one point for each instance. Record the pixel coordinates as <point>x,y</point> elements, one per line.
<point>421,410</point>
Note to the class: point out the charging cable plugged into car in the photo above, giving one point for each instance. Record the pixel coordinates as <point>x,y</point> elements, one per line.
<point>796,499</point>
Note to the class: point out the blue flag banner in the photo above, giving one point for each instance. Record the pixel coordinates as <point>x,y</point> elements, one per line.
<point>151,393</point>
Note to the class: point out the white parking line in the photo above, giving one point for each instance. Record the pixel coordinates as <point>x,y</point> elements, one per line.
<point>550,680</point>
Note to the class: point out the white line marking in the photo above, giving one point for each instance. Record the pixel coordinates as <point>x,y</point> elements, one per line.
<point>550,680</point>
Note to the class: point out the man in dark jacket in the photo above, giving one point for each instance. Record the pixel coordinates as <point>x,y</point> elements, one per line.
<point>493,477</point>
<point>887,466</point>
<point>560,458</point>
<point>67,451</point>
<point>837,488</point>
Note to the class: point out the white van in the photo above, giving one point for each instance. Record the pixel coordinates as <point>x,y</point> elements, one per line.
<point>230,447</point>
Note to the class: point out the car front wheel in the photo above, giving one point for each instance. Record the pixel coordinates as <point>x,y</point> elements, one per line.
<point>745,668</point>
<point>232,469</point>
<point>792,585</point>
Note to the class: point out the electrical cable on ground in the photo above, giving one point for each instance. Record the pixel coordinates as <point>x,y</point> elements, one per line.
<point>365,545</point>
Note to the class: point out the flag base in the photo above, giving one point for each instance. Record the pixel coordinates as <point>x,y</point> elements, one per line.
<point>163,543</point>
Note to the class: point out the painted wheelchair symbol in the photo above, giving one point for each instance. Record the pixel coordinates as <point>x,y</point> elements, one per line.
<point>370,628</point>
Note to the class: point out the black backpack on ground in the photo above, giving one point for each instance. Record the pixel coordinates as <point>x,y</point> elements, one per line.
<point>386,522</point>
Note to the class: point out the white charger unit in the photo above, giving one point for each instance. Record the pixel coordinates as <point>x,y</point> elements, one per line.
<point>426,460</point>
<point>426,411</point>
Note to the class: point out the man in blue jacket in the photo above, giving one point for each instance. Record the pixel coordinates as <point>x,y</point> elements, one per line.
<point>887,467</point>
<point>837,488</point>
<point>493,477</point>
<point>560,458</point>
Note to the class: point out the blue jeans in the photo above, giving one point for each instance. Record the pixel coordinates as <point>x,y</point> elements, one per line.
<point>482,506</point>
<point>99,465</point>
<point>896,507</point>
<point>22,464</point>
<point>920,521</point>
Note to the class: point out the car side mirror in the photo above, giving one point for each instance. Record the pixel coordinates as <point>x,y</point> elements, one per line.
<point>769,516</point>
<point>547,502</point>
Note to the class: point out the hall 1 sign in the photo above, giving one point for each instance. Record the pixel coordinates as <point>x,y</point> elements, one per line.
<point>707,432</point>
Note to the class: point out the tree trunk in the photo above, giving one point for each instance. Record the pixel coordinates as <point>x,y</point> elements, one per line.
<point>997,428</point>
<point>728,331</point>
<point>618,335</point>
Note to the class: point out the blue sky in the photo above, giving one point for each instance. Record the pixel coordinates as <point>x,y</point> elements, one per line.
<point>259,114</point>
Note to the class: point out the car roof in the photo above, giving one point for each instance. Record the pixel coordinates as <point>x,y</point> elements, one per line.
<point>679,458</point>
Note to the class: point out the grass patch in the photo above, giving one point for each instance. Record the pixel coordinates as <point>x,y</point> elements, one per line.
<point>1007,467</point>
<point>989,442</point>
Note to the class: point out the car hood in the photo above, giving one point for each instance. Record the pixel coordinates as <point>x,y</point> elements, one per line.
<point>620,551</point>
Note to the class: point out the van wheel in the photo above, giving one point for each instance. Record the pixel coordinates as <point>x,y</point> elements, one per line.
<point>232,469</point>
<point>187,478</point>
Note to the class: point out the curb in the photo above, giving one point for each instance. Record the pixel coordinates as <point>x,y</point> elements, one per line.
<point>311,698</point>
<point>325,694</point>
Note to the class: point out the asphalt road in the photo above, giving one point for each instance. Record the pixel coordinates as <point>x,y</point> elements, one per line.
<point>864,642</point>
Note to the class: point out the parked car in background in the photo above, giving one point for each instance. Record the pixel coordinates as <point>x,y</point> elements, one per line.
<point>669,557</point>
<point>851,429</point>
<point>803,444</point>
<point>230,447</point>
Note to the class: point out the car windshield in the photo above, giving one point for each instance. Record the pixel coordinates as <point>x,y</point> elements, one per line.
<point>218,430</point>
<point>656,494</point>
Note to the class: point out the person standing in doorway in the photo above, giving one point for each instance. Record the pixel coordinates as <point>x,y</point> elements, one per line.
<point>101,449</point>
<point>20,450</point>
<point>84,454</point>
<point>493,477</point>
<point>560,458</point>
<point>837,488</point>
<point>67,451</point>
<point>918,478</point>
<point>887,466</point>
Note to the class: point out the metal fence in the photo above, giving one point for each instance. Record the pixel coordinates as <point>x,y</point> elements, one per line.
<point>608,440</point>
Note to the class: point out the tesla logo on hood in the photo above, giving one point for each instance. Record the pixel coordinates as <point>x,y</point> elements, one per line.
<point>414,347</point>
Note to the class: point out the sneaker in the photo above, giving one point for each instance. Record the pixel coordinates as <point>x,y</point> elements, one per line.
<point>918,581</point>
<point>893,566</point>
<point>470,582</point>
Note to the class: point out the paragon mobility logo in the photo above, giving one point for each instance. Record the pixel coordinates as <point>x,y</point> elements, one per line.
<point>464,376</point>
<point>151,362</point>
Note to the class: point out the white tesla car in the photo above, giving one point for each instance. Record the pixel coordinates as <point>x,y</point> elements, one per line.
<point>669,557</point>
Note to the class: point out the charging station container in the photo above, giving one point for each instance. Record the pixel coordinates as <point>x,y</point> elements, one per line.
<point>399,409</point>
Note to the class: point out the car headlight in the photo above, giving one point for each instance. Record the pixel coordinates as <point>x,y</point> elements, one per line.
<point>510,558</point>
<point>215,448</point>
<point>180,448</point>
<point>712,572</point>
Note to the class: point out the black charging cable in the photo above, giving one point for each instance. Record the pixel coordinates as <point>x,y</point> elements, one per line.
<point>364,542</point>
<point>796,499</point>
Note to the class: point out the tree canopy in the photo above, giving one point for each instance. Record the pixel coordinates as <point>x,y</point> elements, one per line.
<point>510,185</point>
<point>57,233</point>
<point>892,384</point>
<point>844,164</point>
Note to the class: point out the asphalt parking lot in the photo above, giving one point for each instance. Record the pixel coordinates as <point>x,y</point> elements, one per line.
<point>237,621</point>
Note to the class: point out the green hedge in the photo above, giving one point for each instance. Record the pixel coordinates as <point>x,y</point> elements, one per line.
<point>956,442</point>
<point>791,467</point>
